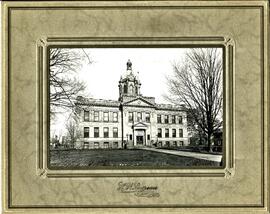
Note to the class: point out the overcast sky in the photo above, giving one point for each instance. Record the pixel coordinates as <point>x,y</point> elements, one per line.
<point>153,64</point>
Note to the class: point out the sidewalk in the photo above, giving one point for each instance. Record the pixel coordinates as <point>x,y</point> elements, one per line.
<point>197,155</point>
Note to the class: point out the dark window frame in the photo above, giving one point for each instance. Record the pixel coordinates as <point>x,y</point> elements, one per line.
<point>86,134</point>
<point>96,133</point>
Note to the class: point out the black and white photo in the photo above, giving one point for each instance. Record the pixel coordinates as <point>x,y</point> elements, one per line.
<point>136,107</point>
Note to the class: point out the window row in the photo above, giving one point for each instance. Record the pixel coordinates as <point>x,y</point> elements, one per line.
<point>97,118</point>
<point>169,119</point>
<point>86,132</point>
<point>98,145</point>
<point>167,133</point>
<point>131,117</point>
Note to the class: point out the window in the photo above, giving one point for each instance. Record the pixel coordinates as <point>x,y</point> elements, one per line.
<point>167,144</point>
<point>106,145</point>
<point>86,132</point>
<point>106,116</point>
<point>105,132</point>
<point>115,144</point>
<point>180,132</point>
<point>167,133</point>
<point>173,118</point>
<point>115,117</point>
<point>131,89</point>
<point>148,137</point>
<point>181,143</point>
<point>180,120</point>
<point>166,119</point>
<point>125,89</point>
<point>130,137</point>
<point>147,117</point>
<point>174,133</point>
<point>96,145</point>
<point>160,144</point>
<point>159,133</point>
<point>86,145</point>
<point>86,116</point>
<point>96,131</point>
<point>115,132</point>
<point>175,143</point>
<point>159,118</point>
<point>139,116</point>
<point>130,117</point>
<point>96,116</point>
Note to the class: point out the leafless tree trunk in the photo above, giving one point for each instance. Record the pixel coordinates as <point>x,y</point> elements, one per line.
<point>64,85</point>
<point>73,132</point>
<point>197,83</point>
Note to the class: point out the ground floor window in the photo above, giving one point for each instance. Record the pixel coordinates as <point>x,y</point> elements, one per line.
<point>167,143</point>
<point>148,137</point>
<point>86,145</point>
<point>106,145</point>
<point>160,144</point>
<point>96,145</point>
<point>174,143</point>
<point>130,137</point>
<point>181,143</point>
<point>115,144</point>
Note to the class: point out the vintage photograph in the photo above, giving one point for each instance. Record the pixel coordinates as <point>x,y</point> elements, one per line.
<point>135,107</point>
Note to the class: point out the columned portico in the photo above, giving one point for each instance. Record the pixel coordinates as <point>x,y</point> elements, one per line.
<point>139,131</point>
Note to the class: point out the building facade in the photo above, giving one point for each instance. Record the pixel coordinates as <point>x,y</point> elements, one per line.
<point>131,121</point>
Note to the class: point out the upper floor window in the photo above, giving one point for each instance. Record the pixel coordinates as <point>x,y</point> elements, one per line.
<point>173,118</point>
<point>125,88</point>
<point>86,132</point>
<point>174,133</point>
<point>96,116</point>
<point>115,132</point>
<point>105,132</point>
<point>86,115</point>
<point>130,117</point>
<point>106,116</point>
<point>158,118</point>
<point>115,117</point>
<point>167,133</point>
<point>159,132</point>
<point>180,120</point>
<point>166,119</point>
<point>96,131</point>
<point>139,116</point>
<point>180,132</point>
<point>147,117</point>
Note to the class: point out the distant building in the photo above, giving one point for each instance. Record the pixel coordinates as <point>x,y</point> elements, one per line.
<point>131,121</point>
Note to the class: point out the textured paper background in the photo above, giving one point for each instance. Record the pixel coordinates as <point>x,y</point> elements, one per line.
<point>241,23</point>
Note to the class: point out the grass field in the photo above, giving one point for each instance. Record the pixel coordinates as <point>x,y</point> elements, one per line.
<point>121,158</point>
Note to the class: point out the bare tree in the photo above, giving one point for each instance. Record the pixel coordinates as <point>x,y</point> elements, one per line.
<point>64,85</point>
<point>73,132</point>
<point>197,83</point>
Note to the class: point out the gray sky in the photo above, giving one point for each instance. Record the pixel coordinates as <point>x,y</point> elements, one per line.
<point>153,64</point>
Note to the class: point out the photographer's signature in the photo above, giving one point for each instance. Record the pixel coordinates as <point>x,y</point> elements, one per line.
<point>138,189</point>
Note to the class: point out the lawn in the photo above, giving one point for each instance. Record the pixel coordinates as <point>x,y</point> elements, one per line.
<point>121,158</point>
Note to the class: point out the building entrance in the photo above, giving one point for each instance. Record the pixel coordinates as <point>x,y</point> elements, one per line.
<point>140,137</point>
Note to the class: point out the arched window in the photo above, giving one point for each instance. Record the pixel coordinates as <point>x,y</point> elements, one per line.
<point>125,88</point>
<point>131,89</point>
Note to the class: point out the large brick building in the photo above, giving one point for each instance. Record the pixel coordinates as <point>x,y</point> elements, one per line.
<point>131,121</point>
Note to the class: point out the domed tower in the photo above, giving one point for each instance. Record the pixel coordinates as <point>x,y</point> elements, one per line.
<point>129,84</point>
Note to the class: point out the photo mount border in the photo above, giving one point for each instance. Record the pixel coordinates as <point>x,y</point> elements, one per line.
<point>264,208</point>
<point>226,43</point>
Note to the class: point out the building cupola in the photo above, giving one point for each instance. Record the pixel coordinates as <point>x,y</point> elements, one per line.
<point>129,84</point>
